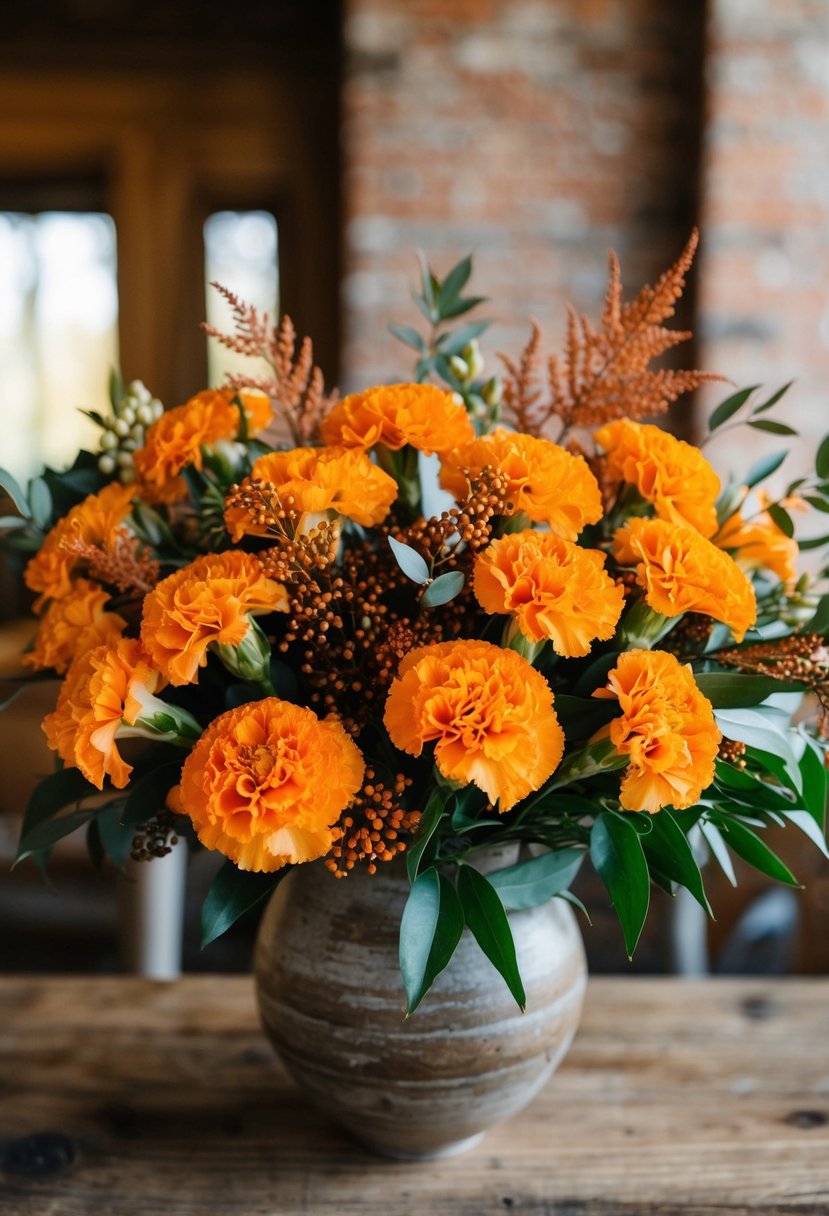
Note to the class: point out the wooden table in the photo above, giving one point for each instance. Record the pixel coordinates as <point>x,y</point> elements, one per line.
<point>677,1097</point>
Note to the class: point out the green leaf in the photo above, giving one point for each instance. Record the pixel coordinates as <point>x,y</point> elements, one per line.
<point>822,459</point>
<point>461,306</point>
<point>40,502</point>
<point>807,825</point>
<point>409,561</point>
<point>50,831</point>
<point>726,409</point>
<point>819,504</point>
<point>148,795</point>
<point>466,807</point>
<point>434,811</point>
<point>443,589</point>
<point>782,518</point>
<point>667,845</point>
<point>408,335</point>
<point>115,839</point>
<point>814,542</point>
<point>815,783</point>
<point>232,893</point>
<point>718,849</point>
<point>533,882</point>
<point>487,922</point>
<point>581,717</point>
<point>772,400</point>
<point>117,390</point>
<point>733,690</point>
<point>773,427</point>
<point>453,344</point>
<point>430,288</point>
<point>50,795</point>
<point>616,852</point>
<point>745,787</point>
<point>455,281</point>
<point>15,493</point>
<point>764,467</point>
<point>430,929</point>
<point>576,902</point>
<point>820,621</point>
<point>754,850</point>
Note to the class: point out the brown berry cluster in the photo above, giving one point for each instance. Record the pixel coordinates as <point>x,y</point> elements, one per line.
<point>732,751</point>
<point>155,838</point>
<point>803,657</point>
<point>371,829</point>
<point>469,524</point>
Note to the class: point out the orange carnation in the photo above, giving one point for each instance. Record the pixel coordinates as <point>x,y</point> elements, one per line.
<point>95,521</point>
<point>553,588</point>
<point>73,624</point>
<point>672,474</point>
<point>681,571</point>
<point>105,689</point>
<point>345,480</point>
<point>667,729</point>
<point>421,415</point>
<point>550,485</point>
<point>266,783</point>
<point>176,440</point>
<point>206,603</point>
<point>758,544</point>
<point>488,712</point>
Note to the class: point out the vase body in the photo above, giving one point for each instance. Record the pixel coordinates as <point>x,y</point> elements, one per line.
<point>332,1003</point>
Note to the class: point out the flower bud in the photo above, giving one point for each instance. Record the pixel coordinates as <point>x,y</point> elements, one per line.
<point>492,391</point>
<point>459,368</point>
<point>474,359</point>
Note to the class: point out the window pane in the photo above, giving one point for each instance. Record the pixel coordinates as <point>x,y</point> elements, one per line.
<point>58,333</point>
<point>241,254</point>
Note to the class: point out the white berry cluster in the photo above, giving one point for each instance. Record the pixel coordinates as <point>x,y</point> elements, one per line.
<point>123,431</point>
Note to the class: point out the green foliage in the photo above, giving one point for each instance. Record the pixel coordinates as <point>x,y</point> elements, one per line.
<point>487,921</point>
<point>232,893</point>
<point>410,561</point>
<point>430,929</point>
<point>619,859</point>
<point>433,814</point>
<point>533,882</point>
<point>443,589</point>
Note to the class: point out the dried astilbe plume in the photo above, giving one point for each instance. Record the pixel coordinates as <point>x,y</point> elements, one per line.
<point>603,373</point>
<point>296,387</point>
<point>122,565</point>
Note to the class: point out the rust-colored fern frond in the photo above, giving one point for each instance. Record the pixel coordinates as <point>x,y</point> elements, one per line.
<point>603,373</point>
<point>296,386</point>
<point>122,565</point>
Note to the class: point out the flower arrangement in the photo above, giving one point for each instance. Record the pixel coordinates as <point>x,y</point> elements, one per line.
<point>572,636</point>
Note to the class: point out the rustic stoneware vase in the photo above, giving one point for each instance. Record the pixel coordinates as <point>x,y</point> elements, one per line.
<point>332,1003</point>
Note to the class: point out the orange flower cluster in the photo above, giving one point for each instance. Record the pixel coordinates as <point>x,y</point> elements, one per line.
<point>681,571</point>
<point>420,415</point>
<point>758,544</point>
<point>554,589</point>
<point>105,687</point>
<point>488,712</point>
<point>72,625</point>
<point>548,484</point>
<point>176,440</point>
<point>666,728</point>
<point>668,472</point>
<point>266,783</point>
<point>315,480</point>
<point>96,522</point>
<point>206,603</point>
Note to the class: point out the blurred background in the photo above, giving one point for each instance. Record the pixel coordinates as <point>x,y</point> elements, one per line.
<point>300,154</point>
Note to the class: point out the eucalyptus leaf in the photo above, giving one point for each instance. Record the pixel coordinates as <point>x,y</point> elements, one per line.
<point>409,335</point>
<point>443,589</point>
<point>409,561</point>
<point>764,467</point>
<point>15,493</point>
<point>487,921</point>
<point>40,502</point>
<point>726,409</point>
<point>455,281</point>
<point>430,929</point>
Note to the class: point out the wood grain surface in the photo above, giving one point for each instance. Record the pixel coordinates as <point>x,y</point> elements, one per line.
<point>695,1097</point>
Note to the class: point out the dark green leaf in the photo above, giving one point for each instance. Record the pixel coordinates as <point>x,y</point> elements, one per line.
<point>533,882</point>
<point>814,542</point>
<point>461,306</point>
<point>93,416</point>
<point>409,561</point>
<point>820,504</point>
<point>772,400</point>
<point>487,922</point>
<point>116,839</point>
<point>822,458</point>
<point>726,409</point>
<point>117,391</point>
<point>408,335</point>
<point>616,852</point>
<point>815,783</point>
<point>51,794</point>
<point>430,929</point>
<point>147,796</point>
<point>772,427</point>
<point>581,717</point>
<point>820,621</point>
<point>50,831</point>
<point>232,893</point>
<point>734,690</point>
<point>455,281</point>
<point>754,850</point>
<point>667,845</point>
<point>764,468</point>
<point>765,729</point>
<point>433,813</point>
<point>443,589</point>
<point>782,518</point>
<point>15,493</point>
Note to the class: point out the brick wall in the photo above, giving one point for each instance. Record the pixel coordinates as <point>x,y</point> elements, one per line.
<point>537,133</point>
<point>764,269</point>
